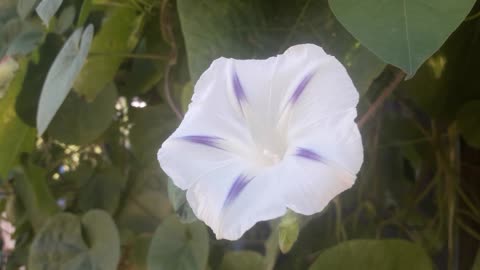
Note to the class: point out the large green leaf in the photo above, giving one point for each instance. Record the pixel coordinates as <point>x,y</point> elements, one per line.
<point>151,126</point>
<point>208,35</point>
<point>176,246</point>
<point>403,33</point>
<point>102,191</point>
<point>117,37</point>
<point>72,127</point>
<point>15,136</point>
<point>61,76</point>
<point>249,33</point>
<point>373,254</point>
<point>147,202</point>
<point>68,242</point>
<point>243,260</point>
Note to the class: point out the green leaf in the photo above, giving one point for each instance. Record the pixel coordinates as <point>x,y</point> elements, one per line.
<point>243,260</point>
<point>151,126</point>
<point>117,37</point>
<point>72,127</point>
<point>47,9</point>
<point>248,33</point>
<point>25,7</point>
<point>219,37</point>
<point>288,231</point>
<point>15,136</point>
<point>26,104</point>
<point>178,199</point>
<point>403,33</point>
<point>65,20</point>
<point>177,246</point>
<point>26,41</point>
<point>373,254</point>
<point>147,201</point>
<point>84,12</point>
<point>33,191</point>
<point>102,191</point>
<point>468,119</point>
<point>61,75</point>
<point>68,242</point>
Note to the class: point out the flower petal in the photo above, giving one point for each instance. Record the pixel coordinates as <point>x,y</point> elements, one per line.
<point>336,139</point>
<point>231,201</point>
<point>317,86</point>
<point>312,183</point>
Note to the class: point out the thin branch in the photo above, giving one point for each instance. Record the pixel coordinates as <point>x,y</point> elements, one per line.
<point>168,36</point>
<point>387,91</point>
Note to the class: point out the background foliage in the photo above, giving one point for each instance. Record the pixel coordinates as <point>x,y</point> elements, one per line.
<point>89,89</point>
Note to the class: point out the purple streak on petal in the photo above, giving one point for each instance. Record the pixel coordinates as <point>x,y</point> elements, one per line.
<point>309,154</point>
<point>205,140</point>
<point>238,88</point>
<point>300,88</point>
<point>240,183</point>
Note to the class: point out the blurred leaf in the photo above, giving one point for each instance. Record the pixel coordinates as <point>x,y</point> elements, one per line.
<point>68,242</point>
<point>25,7</point>
<point>117,37</point>
<point>47,9</point>
<point>102,191</point>
<point>177,246</point>
<point>373,254</point>
<point>468,119</point>
<point>151,126</point>
<point>288,231</point>
<point>65,20</point>
<point>243,260</point>
<point>26,41</point>
<point>147,202</point>
<point>247,34</point>
<point>72,127</point>
<point>33,191</point>
<point>61,75</point>
<point>26,104</point>
<point>15,136</point>
<point>219,37</point>
<point>402,33</point>
<point>84,12</point>
<point>178,199</point>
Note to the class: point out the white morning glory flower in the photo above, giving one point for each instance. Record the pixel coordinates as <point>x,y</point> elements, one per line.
<point>264,136</point>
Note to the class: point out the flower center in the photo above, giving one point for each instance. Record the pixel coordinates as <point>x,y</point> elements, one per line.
<point>269,156</point>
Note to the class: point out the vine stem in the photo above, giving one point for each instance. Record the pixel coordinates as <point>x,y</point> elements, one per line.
<point>377,104</point>
<point>168,36</point>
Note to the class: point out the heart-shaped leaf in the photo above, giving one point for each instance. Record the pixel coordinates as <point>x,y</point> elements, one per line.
<point>403,33</point>
<point>72,127</point>
<point>373,254</point>
<point>176,246</point>
<point>61,76</point>
<point>68,242</point>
